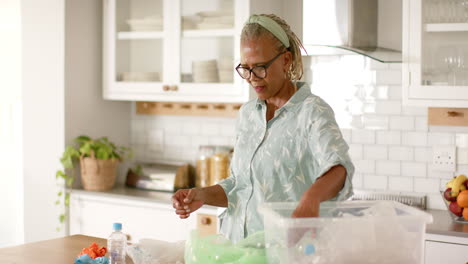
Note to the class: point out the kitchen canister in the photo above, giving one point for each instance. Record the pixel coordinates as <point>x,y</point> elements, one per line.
<point>219,164</point>
<point>202,168</point>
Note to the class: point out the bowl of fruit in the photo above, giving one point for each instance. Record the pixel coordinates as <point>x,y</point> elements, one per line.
<point>456,198</point>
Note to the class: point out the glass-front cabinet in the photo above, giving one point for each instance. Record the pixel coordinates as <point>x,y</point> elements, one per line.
<point>435,52</point>
<point>174,50</point>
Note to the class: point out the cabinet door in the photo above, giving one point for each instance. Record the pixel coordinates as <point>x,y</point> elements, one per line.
<point>135,45</point>
<point>94,217</point>
<point>442,252</point>
<point>173,50</point>
<point>435,53</point>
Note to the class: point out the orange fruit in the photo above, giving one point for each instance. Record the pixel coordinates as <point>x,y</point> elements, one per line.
<point>465,213</point>
<point>462,199</point>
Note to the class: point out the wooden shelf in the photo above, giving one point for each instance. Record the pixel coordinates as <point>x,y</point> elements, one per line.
<point>447,116</point>
<point>446,27</point>
<point>191,109</point>
<point>140,35</point>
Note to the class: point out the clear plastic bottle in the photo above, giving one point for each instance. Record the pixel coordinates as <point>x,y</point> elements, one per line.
<point>116,244</point>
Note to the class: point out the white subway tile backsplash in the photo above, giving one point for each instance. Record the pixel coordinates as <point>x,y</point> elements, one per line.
<point>375,182</point>
<point>440,139</point>
<point>191,128</point>
<point>413,169</point>
<point>375,122</point>
<point>388,77</point>
<point>401,123</point>
<point>222,141</point>
<point>385,167</point>
<point>355,151</point>
<point>364,166</point>
<point>388,137</point>
<point>420,124</point>
<point>423,154</point>
<point>388,107</point>
<point>363,136</point>
<point>403,184</point>
<point>414,138</point>
<point>426,185</point>
<point>394,92</point>
<point>434,173</point>
<point>411,110</point>
<point>178,141</point>
<point>375,152</point>
<point>401,153</point>
<point>357,180</point>
<point>462,156</point>
<point>199,141</point>
<point>155,137</point>
<point>461,140</point>
<point>210,129</point>
<point>228,129</point>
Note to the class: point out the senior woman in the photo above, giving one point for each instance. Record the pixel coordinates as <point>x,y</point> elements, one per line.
<point>288,145</point>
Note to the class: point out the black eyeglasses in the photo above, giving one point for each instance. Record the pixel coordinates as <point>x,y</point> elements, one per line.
<point>258,71</point>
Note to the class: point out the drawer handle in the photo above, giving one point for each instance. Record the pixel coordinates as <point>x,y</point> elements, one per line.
<point>166,88</point>
<point>206,221</point>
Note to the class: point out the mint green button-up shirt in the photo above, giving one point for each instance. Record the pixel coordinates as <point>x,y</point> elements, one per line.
<point>278,160</point>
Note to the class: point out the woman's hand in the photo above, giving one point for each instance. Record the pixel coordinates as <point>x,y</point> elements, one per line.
<point>186,201</point>
<point>307,207</point>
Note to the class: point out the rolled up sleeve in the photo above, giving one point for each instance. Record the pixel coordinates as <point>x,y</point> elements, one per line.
<point>329,148</point>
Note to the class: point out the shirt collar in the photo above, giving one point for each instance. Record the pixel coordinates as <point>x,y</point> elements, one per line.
<point>303,91</point>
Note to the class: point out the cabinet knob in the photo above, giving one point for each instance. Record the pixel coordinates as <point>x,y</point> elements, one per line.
<point>174,88</point>
<point>166,88</point>
<point>206,221</point>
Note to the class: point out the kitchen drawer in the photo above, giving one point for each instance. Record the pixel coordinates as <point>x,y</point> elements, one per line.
<point>443,252</point>
<point>207,224</point>
<point>93,215</point>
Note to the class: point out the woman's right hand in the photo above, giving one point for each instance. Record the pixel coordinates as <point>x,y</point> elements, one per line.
<point>186,201</point>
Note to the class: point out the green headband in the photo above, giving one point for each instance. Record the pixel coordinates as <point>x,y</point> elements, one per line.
<point>270,25</point>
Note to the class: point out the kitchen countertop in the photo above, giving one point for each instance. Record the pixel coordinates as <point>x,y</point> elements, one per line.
<point>60,250</point>
<point>442,224</point>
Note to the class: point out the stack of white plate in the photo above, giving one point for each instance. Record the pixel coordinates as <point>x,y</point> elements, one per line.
<point>149,23</point>
<point>190,22</point>
<point>205,71</point>
<point>216,19</point>
<point>225,65</point>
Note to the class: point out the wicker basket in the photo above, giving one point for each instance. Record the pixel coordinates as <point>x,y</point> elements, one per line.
<point>98,175</point>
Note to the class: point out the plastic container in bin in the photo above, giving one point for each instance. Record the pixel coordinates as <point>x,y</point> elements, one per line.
<point>358,232</point>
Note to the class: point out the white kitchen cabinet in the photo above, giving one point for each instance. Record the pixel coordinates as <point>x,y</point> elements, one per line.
<point>445,249</point>
<point>435,53</point>
<point>160,50</point>
<point>93,215</point>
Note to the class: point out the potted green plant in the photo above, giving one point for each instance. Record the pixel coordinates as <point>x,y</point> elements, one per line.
<point>98,159</point>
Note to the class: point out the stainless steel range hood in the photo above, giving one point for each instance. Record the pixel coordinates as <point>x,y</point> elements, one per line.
<point>368,27</point>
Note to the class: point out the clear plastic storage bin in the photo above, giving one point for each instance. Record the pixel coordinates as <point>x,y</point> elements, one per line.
<point>349,232</point>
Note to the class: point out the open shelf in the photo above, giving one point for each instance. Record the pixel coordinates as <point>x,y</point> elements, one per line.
<point>446,27</point>
<point>140,35</point>
<point>194,33</point>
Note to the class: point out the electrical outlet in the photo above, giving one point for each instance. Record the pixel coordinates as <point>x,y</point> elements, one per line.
<point>444,158</point>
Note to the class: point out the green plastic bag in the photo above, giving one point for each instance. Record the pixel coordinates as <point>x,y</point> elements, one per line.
<point>217,249</point>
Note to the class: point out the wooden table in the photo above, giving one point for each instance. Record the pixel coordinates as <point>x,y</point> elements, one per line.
<point>55,251</point>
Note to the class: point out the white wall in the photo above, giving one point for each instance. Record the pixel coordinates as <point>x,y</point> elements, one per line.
<point>85,111</point>
<point>43,113</point>
<point>10,124</point>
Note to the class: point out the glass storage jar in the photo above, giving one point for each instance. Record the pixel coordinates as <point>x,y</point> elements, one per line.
<point>219,164</point>
<point>202,173</point>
